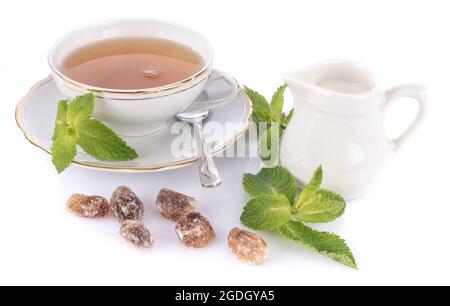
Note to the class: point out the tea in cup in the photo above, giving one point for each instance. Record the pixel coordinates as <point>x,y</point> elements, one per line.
<point>143,72</point>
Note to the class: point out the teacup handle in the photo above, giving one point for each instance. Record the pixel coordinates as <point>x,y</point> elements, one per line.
<point>211,104</point>
<point>415,91</point>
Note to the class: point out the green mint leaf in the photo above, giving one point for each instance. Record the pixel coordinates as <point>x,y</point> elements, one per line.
<point>270,114</point>
<point>74,126</point>
<point>271,181</point>
<point>81,108</point>
<point>317,205</point>
<point>266,212</point>
<point>276,106</point>
<point>327,244</point>
<point>101,142</point>
<point>325,206</point>
<point>61,118</point>
<point>286,119</point>
<point>312,187</point>
<point>64,149</point>
<point>261,108</point>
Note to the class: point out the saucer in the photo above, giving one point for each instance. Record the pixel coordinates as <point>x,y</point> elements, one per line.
<point>36,113</point>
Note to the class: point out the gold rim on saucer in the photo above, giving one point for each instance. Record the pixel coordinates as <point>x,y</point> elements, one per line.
<point>168,166</point>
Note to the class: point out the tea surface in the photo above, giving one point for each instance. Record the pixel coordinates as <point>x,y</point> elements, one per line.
<point>132,63</point>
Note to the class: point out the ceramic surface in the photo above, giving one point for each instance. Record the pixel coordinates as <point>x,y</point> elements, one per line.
<point>338,124</point>
<point>143,111</point>
<point>36,112</point>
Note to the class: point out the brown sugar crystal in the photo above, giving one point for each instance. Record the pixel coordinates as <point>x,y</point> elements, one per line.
<point>248,246</point>
<point>88,206</point>
<point>136,233</point>
<point>174,205</point>
<point>195,231</point>
<point>126,205</point>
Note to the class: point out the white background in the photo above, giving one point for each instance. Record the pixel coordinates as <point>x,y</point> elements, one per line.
<point>399,233</point>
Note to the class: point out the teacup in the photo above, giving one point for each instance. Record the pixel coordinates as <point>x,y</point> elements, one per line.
<point>141,111</point>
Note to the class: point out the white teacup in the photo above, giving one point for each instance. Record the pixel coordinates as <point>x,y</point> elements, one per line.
<point>143,111</point>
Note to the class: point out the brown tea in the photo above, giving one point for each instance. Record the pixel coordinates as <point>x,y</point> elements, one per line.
<point>132,63</point>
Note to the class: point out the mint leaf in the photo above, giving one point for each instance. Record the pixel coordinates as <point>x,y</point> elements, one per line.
<point>73,125</point>
<point>64,149</point>
<point>266,212</point>
<point>271,181</point>
<point>101,142</point>
<point>286,119</point>
<point>312,187</point>
<point>270,209</point>
<point>61,118</point>
<point>273,207</point>
<point>324,206</point>
<point>80,108</point>
<point>276,106</point>
<point>272,115</point>
<point>261,108</point>
<point>317,205</point>
<point>327,244</point>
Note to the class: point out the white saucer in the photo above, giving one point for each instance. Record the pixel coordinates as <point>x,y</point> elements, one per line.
<point>36,112</point>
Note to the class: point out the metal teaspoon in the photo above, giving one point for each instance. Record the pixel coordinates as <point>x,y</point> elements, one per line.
<point>209,175</point>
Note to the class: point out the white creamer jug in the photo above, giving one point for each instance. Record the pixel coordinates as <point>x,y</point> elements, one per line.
<point>338,124</point>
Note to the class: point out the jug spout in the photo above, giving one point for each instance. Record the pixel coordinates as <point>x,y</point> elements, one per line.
<point>296,80</point>
<point>298,85</point>
<point>334,76</point>
<point>335,86</point>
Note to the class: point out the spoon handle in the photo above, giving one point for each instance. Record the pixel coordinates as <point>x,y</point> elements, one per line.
<point>209,175</point>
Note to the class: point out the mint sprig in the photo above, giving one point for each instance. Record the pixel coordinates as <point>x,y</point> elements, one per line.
<point>271,181</point>
<point>271,122</point>
<point>274,205</point>
<point>64,148</point>
<point>316,205</point>
<point>74,126</point>
<point>61,115</point>
<point>267,212</point>
<point>269,113</point>
<point>327,244</point>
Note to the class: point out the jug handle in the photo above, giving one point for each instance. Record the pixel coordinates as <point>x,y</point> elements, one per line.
<point>415,91</point>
